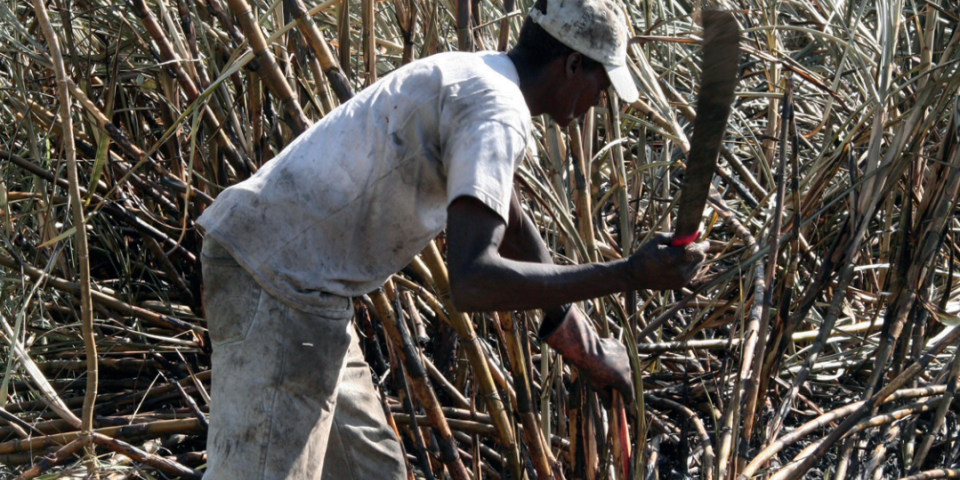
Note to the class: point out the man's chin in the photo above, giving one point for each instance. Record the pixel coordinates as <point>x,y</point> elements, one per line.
<point>562,122</point>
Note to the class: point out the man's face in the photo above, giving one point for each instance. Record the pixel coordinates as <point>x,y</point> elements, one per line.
<point>577,90</point>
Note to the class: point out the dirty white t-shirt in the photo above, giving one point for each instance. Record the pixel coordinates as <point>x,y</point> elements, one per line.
<point>360,193</point>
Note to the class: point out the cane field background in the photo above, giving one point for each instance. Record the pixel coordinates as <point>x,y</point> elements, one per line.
<point>820,340</point>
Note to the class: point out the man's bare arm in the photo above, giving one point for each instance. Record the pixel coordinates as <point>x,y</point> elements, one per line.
<point>481,279</point>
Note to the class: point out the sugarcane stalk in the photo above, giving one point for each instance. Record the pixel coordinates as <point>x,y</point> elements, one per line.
<point>158,428</point>
<point>464,32</point>
<point>186,24</point>
<point>748,340</point>
<point>934,474</point>
<point>503,37</point>
<point>784,331</point>
<point>825,420</point>
<point>621,440</point>
<point>79,223</point>
<point>166,466</point>
<point>890,16</point>
<point>752,385</point>
<point>533,437</point>
<point>402,387</point>
<point>582,168</point>
<point>328,63</point>
<point>470,343</point>
<point>56,458</point>
<point>392,423</point>
<point>881,420</point>
<point>589,417</point>
<point>369,41</point>
<point>397,332</point>
<point>272,75</point>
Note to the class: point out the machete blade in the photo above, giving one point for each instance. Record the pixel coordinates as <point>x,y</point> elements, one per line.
<point>721,61</point>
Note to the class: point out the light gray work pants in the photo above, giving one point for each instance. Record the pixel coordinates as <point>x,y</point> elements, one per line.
<point>292,395</point>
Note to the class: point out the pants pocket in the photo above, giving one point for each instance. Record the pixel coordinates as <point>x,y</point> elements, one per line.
<point>231,299</point>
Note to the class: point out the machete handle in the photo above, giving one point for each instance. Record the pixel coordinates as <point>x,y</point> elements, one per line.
<point>685,240</point>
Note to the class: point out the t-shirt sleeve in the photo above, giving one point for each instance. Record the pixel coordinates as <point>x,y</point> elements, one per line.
<point>480,160</point>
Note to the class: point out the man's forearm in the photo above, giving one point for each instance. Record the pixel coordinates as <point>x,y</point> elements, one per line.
<point>485,275</point>
<point>524,276</point>
<point>504,284</point>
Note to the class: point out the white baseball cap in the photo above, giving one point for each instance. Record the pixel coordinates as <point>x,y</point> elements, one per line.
<point>597,29</point>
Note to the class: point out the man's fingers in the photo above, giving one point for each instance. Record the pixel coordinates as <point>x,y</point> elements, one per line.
<point>696,252</point>
<point>702,247</point>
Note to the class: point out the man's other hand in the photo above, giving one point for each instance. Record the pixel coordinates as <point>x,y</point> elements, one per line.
<point>658,266</point>
<point>603,362</point>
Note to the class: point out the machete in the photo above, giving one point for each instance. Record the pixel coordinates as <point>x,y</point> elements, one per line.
<point>721,61</point>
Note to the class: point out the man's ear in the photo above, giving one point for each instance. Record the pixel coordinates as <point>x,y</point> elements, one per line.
<point>573,64</point>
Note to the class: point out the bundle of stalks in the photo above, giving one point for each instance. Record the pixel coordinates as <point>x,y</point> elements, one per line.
<point>820,340</point>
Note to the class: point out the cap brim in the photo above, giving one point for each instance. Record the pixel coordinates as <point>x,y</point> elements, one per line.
<point>622,82</point>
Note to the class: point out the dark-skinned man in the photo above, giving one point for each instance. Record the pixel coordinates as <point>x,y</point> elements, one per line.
<point>433,145</point>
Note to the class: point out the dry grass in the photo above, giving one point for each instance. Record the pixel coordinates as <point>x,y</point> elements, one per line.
<point>832,357</point>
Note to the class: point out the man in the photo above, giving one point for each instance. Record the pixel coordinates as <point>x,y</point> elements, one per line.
<point>434,144</point>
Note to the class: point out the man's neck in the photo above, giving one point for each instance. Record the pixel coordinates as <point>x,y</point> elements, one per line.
<point>532,84</point>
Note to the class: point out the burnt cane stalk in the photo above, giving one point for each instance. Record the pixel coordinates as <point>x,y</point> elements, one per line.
<point>532,436</point>
<point>478,361</point>
<point>79,223</point>
<point>272,75</point>
<point>753,384</point>
<point>328,63</point>
<point>396,330</point>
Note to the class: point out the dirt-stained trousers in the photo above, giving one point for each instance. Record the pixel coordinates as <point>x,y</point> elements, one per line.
<point>292,395</point>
